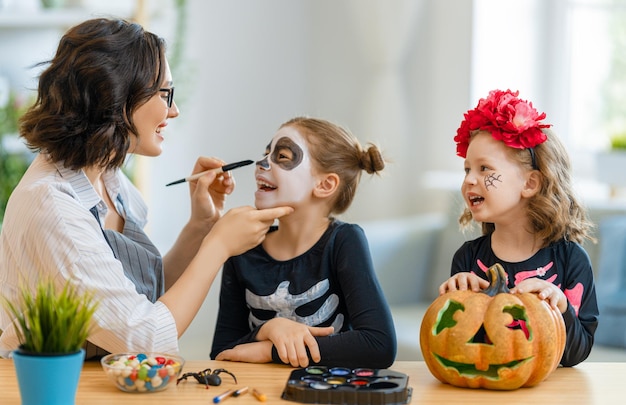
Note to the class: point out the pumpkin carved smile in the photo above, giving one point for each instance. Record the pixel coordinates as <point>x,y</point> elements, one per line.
<point>492,339</point>
<point>470,370</point>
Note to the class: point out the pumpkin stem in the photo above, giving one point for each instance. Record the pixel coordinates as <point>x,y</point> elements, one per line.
<point>497,280</point>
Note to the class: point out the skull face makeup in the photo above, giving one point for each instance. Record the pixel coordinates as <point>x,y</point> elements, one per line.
<point>284,176</point>
<point>286,154</point>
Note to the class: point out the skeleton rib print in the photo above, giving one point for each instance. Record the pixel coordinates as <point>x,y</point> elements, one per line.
<point>285,304</point>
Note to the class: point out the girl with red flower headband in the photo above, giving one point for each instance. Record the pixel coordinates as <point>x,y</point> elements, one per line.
<point>518,186</point>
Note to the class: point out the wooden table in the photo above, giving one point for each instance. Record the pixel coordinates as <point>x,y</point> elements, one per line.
<point>587,383</point>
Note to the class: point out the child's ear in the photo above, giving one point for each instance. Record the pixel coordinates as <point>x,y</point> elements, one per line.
<point>532,185</point>
<point>327,185</point>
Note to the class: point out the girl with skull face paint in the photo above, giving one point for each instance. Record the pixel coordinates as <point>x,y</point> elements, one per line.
<point>518,186</point>
<point>308,293</point>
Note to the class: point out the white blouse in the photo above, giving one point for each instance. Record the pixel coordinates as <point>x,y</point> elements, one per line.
<point>48,231</point>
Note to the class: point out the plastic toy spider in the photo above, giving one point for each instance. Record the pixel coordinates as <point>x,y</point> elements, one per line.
<point>207,377</point>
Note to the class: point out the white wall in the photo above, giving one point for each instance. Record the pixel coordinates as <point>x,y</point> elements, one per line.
<point>253,65</point>
<point>394,72</point>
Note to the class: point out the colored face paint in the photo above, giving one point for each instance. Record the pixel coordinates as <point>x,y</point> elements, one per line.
<point>317,370</point>
<point>340,371</point>
<point>359,382</point>
<point>336,380</point>
<point>363,372</point>
<point>383,385</point>
<point>304,387</point>
<point>312,378</point>
<point>321,386</point>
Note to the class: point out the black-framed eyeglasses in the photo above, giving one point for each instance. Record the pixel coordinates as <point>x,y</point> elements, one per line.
<point>170,95</point>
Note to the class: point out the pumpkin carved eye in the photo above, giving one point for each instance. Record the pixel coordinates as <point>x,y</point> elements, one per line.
<point>446,316</point>
<point>520,320</point>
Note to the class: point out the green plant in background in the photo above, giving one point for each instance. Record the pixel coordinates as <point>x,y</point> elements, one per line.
<point>52,321</point>
<point>10,114</point>
<point>12,164</point>
<point>183,69</point>
<point>618,142</point>
<point>12,167</point>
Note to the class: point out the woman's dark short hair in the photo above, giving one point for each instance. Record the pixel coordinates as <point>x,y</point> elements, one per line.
<point>103,70</point>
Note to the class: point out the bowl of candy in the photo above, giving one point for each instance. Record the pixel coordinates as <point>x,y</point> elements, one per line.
<point>142,372</point>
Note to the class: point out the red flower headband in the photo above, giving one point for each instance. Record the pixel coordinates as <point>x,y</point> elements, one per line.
<point>509,119</point>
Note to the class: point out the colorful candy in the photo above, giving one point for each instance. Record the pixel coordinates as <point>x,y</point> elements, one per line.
<point>141,372</point>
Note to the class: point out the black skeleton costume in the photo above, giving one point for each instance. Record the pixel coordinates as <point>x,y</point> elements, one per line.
<point>562,263</point>
<point>332,284</point>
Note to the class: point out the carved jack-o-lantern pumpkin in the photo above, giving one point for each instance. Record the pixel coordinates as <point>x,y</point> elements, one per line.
<point>492,339</point>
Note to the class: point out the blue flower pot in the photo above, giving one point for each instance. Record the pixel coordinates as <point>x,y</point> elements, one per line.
<point>48,379</point>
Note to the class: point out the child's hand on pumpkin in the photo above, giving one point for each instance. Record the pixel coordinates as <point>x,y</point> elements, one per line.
<point>463,281</point>
<point>292,339</point>
<point>545,290</point>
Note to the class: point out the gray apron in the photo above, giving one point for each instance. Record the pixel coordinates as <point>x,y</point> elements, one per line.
<point>141,261</point>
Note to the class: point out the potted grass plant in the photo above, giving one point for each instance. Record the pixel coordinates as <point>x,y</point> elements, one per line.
<point>52,325</point>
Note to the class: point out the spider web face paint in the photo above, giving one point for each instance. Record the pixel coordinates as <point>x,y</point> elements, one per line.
<point>491,180</point>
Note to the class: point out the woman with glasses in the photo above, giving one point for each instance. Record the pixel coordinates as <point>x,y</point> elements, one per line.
<point>108,92</point>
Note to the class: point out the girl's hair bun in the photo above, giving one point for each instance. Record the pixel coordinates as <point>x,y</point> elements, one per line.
<point>372,160</point>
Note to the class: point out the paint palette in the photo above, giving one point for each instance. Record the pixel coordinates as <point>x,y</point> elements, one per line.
<point>340,385</point>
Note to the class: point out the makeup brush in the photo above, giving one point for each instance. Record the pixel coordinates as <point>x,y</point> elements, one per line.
<point>222,169</point>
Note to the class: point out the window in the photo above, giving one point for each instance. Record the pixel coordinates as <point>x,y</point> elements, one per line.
<point>597,79</point>
<point>568,57</point>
